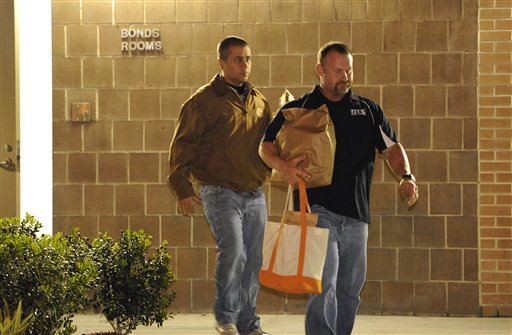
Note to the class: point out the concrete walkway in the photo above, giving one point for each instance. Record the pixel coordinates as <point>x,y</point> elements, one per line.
<point>199,324</point>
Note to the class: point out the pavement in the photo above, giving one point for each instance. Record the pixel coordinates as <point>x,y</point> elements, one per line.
<point>285,324</point>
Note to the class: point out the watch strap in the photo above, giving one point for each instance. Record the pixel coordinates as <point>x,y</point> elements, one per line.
<point>408,177</point>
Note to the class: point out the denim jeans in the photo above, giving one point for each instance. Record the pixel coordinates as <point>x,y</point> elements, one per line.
<point>237,220</point>
<point>334,310</point>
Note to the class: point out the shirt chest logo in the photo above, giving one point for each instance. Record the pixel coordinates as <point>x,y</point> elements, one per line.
<point>358,112</point>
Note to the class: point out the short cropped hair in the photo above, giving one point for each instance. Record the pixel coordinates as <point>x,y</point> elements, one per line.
<point>330,46</point>
<point>223,46</point>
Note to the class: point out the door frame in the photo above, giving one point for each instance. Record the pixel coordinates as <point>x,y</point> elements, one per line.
<point>33,45</point>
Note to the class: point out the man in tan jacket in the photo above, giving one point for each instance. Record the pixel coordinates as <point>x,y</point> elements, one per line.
<point>216,143</point>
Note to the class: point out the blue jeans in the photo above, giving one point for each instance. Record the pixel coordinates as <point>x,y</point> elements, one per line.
<point>334,310</point>
<point>237,220</point>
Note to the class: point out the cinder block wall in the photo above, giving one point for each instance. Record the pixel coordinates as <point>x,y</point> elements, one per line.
<point>417,58</point>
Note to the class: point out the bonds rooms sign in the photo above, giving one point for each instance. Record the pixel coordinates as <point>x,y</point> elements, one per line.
<point>141,41</point>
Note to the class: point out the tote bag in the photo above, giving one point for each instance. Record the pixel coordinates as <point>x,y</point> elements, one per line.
<point>294,251</point>
<point>308,132</point>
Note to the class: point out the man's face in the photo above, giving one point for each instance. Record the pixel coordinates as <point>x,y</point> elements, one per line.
<point>335,75</point>
<point>237,67</point>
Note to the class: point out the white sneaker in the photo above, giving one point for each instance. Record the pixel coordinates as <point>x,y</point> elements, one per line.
<point>226,329</point>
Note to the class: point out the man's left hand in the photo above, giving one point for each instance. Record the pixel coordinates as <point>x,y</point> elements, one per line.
<point>409,189</point>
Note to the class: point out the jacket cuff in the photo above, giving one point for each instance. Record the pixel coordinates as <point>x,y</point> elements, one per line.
<point>182,189</point>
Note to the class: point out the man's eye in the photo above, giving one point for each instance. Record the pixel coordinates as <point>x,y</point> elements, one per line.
<point>239,60</point>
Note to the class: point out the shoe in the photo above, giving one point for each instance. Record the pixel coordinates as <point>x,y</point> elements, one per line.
<point>226,329</point>
<point>257,331</point>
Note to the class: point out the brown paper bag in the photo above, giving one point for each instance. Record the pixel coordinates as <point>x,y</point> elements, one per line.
<point>307,131</point>
<point>292,217</point>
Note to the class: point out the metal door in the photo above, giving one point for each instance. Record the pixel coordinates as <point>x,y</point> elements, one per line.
<point>9,147</point>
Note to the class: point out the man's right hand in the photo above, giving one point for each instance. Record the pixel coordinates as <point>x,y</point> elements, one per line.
<point>186,206</point>
<point>291,170</point>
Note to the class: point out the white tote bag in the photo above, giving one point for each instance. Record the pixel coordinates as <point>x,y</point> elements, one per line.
<point>294,252</point>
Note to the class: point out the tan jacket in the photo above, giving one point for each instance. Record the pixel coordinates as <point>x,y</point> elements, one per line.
<point>217,139</point>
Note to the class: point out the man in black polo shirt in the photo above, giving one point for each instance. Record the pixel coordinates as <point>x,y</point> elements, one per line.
<point>343,206</point>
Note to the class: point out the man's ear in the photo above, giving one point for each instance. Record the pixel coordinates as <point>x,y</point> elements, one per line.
<point>319,70</point>
<point>221,63</point>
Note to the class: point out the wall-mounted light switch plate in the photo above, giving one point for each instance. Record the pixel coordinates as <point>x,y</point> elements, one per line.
<point>81,112</point>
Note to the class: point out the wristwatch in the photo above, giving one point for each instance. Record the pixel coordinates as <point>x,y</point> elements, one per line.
<point>408,177</point>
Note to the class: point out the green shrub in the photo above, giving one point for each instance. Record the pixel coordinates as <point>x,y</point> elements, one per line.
<point>54,276</point>
<point>134,287</point>
<point>13,325</point>
<point>14,226</point>
<point>57,276</point>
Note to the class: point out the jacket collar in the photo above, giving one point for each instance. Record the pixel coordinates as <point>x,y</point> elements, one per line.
<point>221,87</point>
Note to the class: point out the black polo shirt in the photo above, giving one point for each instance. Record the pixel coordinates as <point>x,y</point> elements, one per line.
<point>360,127</point>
